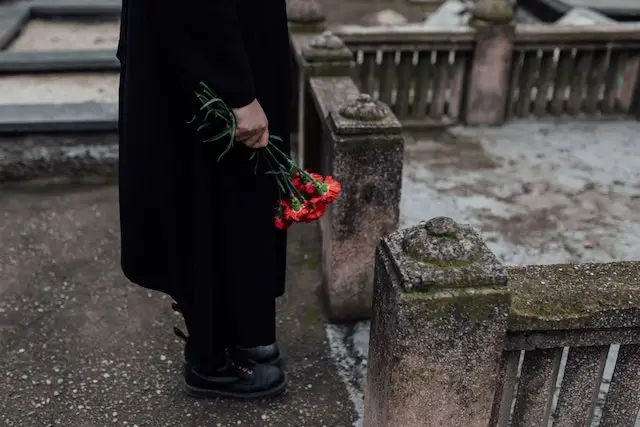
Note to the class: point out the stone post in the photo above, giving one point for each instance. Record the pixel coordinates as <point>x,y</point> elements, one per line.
<point>323,55</point>
<point>304,17</point>
<point>489,77</point>
<point>363,149</point>
<point>440,311</point>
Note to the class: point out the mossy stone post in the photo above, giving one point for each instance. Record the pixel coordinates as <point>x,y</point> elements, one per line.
<point>489,77</point>
<point>440,311</point>
<point>322,55</point>
<point>363,149</point>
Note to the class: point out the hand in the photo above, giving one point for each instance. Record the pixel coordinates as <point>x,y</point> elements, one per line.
<point>252,125</point>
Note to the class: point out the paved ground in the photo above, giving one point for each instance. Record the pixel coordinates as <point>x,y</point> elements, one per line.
<point>80,347</point>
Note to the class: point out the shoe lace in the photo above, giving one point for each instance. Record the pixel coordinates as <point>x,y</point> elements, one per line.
<point>179,333</point>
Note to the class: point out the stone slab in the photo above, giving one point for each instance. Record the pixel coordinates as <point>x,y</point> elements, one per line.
<point>46,35</point>
<point>75,8</point>
<point>58,61</point>
<point>12,19</point>
<point>81,117</point>
<point>60,88</point>
<point>59,155</point>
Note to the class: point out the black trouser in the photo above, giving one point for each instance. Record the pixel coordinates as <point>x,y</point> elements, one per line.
<point>228,291</point>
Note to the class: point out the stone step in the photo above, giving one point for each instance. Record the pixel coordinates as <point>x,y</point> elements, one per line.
<point>47,35</point>
<point>59,88</point>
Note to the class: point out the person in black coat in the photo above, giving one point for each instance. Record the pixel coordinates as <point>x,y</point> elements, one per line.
<point>200,230</point>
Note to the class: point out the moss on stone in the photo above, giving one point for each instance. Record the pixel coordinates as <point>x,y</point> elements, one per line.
<point>573,296</point>
<point>460,303</point>
<point>447,264</point>
<point>313,317</point>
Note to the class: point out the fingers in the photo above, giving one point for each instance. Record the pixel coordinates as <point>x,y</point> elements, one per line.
<point>244,133</point>
<point>253,140</point>
<point>263,141</point>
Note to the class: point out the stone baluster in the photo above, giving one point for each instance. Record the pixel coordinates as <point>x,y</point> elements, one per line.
<point>489,77</point>
<point>440,312</point>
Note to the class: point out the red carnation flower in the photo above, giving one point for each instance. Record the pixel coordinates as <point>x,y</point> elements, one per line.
<point>316,210</point>
<point>295,210</point>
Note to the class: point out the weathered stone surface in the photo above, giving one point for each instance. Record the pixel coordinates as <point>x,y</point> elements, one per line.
<point>492,12</point>
<point>582,296</point>
<point>416,326</point>
<point>305,16</point>
<point>327,54</point>
<point>364,108</point>
<point>57,61</point>
<point>82,117</point>
<point>64,34</point>
<point>488,84</point>
<point>12,19</point>
<point>35,157</point>
<point>304,11</point>
<point>108,9</point>
<point>441,254</point>
<point>366,156</point>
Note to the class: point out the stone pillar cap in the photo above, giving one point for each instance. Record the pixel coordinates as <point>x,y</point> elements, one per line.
<point>304,11</point>
<point>326,46</point>
<point>364,107</point>
<point>441,254</point>
<point>493,11</point>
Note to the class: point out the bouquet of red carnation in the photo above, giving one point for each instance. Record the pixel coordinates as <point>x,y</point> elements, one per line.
<point>304,196</point>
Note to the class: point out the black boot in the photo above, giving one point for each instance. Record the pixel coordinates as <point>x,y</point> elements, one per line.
<point>265,354</point>
<point>237,379</point>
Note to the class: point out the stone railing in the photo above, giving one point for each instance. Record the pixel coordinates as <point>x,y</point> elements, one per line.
<point>494,70</point>
<point>356,139</point>
<point>457,339</point>
<point>575,71</point>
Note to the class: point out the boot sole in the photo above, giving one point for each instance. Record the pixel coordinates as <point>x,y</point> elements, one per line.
<point>203,393</point>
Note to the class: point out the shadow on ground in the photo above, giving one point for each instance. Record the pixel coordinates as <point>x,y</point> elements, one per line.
<point>80,346</point>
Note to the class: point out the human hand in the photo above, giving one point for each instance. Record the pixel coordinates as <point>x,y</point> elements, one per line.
<point>251,125</point>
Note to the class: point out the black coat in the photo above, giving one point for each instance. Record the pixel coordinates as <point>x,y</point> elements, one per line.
<point>184,217</point>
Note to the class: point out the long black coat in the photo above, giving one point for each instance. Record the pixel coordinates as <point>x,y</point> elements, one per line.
<point>184,217</point>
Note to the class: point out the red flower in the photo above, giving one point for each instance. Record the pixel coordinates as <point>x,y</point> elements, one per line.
<point>333,189</point>
<point>311,183</point>
<point>280,222</point>
<point>295,210</point>
<point>329,190</point>
<point>316,210</point>
<point>297,182</point>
